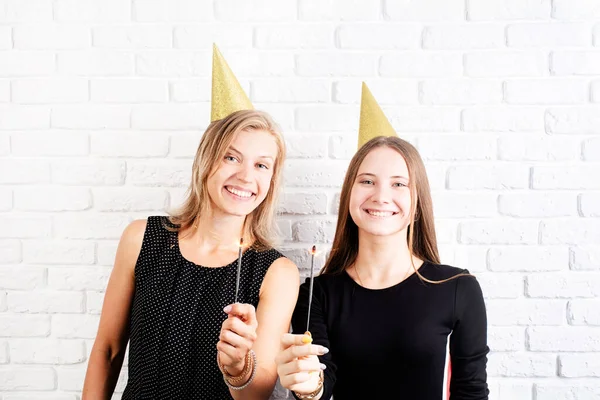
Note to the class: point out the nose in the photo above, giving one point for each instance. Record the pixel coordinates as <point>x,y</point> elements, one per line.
<point>244,173</point>
<point>381,194</point>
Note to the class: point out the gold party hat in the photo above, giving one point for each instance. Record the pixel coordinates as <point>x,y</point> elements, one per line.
<point>227,93</point>
<point>373,121</point>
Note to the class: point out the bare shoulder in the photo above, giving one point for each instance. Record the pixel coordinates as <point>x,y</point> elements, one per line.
<point>130,244</point>
<point>281,275</point>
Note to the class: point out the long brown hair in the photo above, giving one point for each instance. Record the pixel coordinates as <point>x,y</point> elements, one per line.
<point>259,225</point>
<point>422,241</point>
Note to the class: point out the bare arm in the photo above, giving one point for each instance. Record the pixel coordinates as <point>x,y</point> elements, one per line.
<point>109,347</point>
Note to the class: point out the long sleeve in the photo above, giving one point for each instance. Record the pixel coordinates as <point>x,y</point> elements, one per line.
<point>468,343</point>
<point>318,329</point>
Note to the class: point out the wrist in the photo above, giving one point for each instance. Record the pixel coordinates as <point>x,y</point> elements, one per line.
<point>316,393</point>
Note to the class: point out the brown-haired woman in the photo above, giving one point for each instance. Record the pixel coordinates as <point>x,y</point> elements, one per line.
<point>386,317</point>
<point>172,290</point>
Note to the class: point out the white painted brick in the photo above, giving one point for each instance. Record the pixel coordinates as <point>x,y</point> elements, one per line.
<point>563,338</point>
<point>585,258</point>
<point>169,173</point>
<point>572,231</point>
<point>387,91</point>
<point>93,302</point>
<point>106,252</point>
<point>21,278</point>
<point>185,145</point>
<point>89,226</point>
<point>36,351</point>
<point>228,36</point>
<point>4,98</point>
<point>595,91</point>
<point>470,257</point>
<point>240,10</point>
<point>537,204</point>
<point>342,147</point>
<point>596,33</point>
<point>23,171</point>
<point>56,36</point>
<point>463,205</point>
<point>50,143</point>
<point>3,352</point>
<point>528,259</point>
<point>424,10</point>
<point>566,390</point>
<point>305,36</point>
<point>291,91</point>
<point>502,119</point>
<point>18,117</point>
<point>498,232</point>
<point>579,365</point>
<point>506,338</point>
<point>45,396</point>
<point>253,63</point>
<point>173,64</point>
<point>29,11</point>
<point>283,229</point>
<point>88,172</point>
<point>500,286</point>
<point>422,119</point>
<point>378,36</point>
<point>462,36</point>
<point>130,199</point>
<point>326,118</point>
<point>20,378</point>
<point>589,204</point>
<point>339,64</point>
<point>95,63</point>
<point>5,38</point>
<point>563,285</point>
<point>344,10</point>
<point>6,199</point>
<point>511,389</point>
<point>463,92</point>
<point>521,365</point>
<point>129,144</point>
<point>27,63</point>
<point>497,177</point>
<point>172,116</point>
<point>544,91</point>
<point>82,326</point>
<point>92,11</point>
<point>535,148</point>
<point>3,307</point>
<point>129,91</point>
<point>282,113</point>
<point>45,302</point>
<point>445,230</point>
<point>411,64</point>
<point>575,9</point>
<point>24,325</point>
<point>58,252</point>
<point>314,231</point>
<point>506,63</point>
<point>556,34</point>
<point>165,11</point>
<point>575,63</point>
<point>508,10</point>
<point>10,251</point>
<point>307,173</point>
<point>91,117</point>
<point>71,378</point>
<point>190,90</point>
<point>52,198</point>
<point>80,278</point>
<point>573,120</point>
<point>591,150</point>
<point>307,146</point>
<point>526,312</point>
<point>565,177</point>
<point>303,203</point>
<point>176,197</point>
<point>20,226</point>
<point>133,37</point>
<point>584,312</point>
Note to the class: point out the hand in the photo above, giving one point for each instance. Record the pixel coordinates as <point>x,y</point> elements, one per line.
<point>298,365</point>
<point>238,334</point>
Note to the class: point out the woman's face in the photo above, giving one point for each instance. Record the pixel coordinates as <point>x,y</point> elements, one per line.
<point>243,177</point>
<point>380,198</point>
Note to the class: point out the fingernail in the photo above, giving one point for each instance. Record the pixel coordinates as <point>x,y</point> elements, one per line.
<point>306,339</point>
<point>227,309</point>
<point>323,366</point>
<point>323,350</point>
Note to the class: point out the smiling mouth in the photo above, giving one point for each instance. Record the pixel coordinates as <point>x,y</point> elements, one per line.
<point>380,214</point>
<point>244,194</point>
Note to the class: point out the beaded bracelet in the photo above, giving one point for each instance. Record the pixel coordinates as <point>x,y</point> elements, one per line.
<point>251,356</point>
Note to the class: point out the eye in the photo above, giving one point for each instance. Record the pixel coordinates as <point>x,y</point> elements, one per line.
<point>367,182</point>
<point>263,166</point>
<point>230,158</point>
<point>399,184</point>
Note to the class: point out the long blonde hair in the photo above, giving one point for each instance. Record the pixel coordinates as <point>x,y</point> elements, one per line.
<point>259,225</point>
<point>422,241</point>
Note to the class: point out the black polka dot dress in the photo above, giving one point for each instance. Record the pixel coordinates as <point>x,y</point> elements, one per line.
<point>176,317</point>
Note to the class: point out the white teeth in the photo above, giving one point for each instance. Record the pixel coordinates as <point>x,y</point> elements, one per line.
<point>239,192</point>
<point>380,213</point>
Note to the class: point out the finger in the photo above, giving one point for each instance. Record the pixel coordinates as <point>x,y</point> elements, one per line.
<point>290,381</point>
<point>235,340</point>
<point>246,312</point>
<point>237,326</point>
<point>299,365</point>
<point>289,339</point>
<point>304,350</point>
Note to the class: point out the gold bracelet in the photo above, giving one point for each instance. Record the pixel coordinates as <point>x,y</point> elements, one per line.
<point>235,379</point>
<point>316,392</point>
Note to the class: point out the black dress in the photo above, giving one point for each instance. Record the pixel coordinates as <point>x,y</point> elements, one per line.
<point>417,340</point>
<point>176,317</point>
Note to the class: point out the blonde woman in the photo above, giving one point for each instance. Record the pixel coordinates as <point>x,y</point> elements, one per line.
<point>385,315</point>
<point>172,290</point>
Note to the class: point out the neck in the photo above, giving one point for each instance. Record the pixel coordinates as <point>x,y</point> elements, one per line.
<point>215,231</point>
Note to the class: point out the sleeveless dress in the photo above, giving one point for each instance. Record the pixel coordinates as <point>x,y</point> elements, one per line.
<point>176,317</point>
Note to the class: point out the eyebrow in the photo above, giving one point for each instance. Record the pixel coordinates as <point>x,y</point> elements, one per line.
<point>373,175</point>
<point>239,152</point>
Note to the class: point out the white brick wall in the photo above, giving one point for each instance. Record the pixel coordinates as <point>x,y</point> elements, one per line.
<point>102,103</point>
